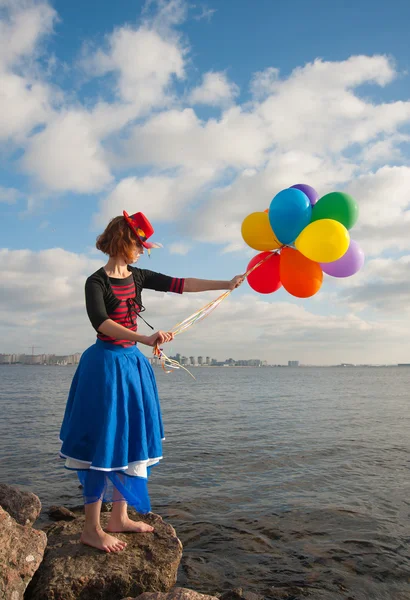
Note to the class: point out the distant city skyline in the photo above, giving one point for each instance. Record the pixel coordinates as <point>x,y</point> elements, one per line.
<point>190,361</point>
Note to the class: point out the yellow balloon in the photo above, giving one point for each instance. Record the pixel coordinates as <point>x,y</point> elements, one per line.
<point>257,232</point>
<point>323,241</point>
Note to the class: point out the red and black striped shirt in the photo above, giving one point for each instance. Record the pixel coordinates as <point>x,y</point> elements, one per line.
<point>126,312</point>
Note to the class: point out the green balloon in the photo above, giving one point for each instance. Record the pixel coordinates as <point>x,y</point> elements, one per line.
<point>337,206</point>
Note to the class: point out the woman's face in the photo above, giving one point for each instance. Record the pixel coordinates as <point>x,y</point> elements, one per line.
<point>138,250</point>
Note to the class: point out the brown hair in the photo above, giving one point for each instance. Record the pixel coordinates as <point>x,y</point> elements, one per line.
<point>118,240</point>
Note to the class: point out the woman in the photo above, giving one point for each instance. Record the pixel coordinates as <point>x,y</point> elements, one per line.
<point>112,428</point>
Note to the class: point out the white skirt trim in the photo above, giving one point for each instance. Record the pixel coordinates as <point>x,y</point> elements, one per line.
<point>137,468</point>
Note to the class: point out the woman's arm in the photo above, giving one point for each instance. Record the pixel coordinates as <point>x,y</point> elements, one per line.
<point>118,332</point>
<point>204,285</point>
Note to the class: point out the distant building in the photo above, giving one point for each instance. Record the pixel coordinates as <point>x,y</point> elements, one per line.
<point>293,363</point>
<point>208,360</point>
<point>253,362</point>
<point>200,360</point>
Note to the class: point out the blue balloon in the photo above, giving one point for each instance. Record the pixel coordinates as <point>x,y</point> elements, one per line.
<point>289,213</point>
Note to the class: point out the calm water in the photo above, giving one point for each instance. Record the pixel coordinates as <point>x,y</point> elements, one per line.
<point>272,477</point>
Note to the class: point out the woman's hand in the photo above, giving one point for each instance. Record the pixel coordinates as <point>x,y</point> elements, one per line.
<point>236,281</point>
<point>157,338</point>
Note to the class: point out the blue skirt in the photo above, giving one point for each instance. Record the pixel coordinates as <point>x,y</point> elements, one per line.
<point>112,428</point>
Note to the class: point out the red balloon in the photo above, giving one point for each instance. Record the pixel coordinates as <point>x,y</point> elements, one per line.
<point>266,278</point>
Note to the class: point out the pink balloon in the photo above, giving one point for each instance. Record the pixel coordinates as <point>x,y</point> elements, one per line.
<point>348,265</point>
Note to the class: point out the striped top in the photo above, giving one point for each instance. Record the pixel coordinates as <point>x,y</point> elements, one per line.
<point>126,312</point>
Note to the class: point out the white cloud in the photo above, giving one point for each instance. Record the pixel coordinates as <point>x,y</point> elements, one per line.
<point>23,28</point>
<point>384,195</point>
<point>384,202</point>
<point>25,98</point>
<point>331,117</point>
<point>167,14</point>
<point>264,83</point>
<point>51,315</point>
<point>215,90</point>
<point>9,195</point>
<point>143,63</point>
<point>23,105</point>
<point>384,151</point>
<point>161,197</point>
<point>68,155</point>
<point>206,13</point>
<point>179,248</point>
<point>179,138</point>
<point>383,285</point>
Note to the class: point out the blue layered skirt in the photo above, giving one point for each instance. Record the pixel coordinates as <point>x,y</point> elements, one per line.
<point>112,429</point>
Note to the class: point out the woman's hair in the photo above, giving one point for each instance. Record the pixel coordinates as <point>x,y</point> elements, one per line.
<point>118,240</point>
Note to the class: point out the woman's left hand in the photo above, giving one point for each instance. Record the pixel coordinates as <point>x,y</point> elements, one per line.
<point>236,281</point>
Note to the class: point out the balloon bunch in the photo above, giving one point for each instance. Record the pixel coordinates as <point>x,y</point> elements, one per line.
<point>306,237</point>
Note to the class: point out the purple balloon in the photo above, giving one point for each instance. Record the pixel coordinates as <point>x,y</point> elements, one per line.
<point>348,265</point>
<point>309,191</point>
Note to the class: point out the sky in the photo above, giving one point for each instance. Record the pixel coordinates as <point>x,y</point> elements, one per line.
<point>198,114</point>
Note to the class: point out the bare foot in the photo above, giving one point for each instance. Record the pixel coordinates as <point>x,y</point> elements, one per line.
<point>97,538</point>
<point>126,524</point>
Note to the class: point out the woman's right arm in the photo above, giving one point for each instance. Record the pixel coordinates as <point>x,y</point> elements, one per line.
<point>118,332</point>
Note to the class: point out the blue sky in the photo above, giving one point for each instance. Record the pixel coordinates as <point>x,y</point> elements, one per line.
<point>198,115</point>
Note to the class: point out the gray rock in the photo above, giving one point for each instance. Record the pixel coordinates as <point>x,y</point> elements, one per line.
<point>24,507</point>
<point>60,513</point>
<point>174,594</point>
<point>71,570</point>
<point>240,594</point>
<point>21,552</point>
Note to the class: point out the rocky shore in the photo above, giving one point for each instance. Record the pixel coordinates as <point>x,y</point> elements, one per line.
<point>52,564</point>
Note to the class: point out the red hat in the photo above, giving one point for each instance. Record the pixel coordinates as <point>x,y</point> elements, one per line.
<point>142,228</point>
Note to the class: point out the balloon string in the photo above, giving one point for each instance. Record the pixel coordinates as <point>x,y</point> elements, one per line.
<point>199,315</point>
<point>168,362</point>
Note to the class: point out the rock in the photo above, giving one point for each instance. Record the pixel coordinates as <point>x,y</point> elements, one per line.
<point>60,513</point>
<point>21,552</point>
<point>298,593</point>
<point>276,593</point>
<point>24,507</point>
<point>71,570</point>
<point>240,594</point>
<point>79,508</point>
<point>174,594</point>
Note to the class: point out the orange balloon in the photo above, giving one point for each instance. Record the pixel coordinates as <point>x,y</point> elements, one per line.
<point>266,210</point>
<point>300,276</point>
